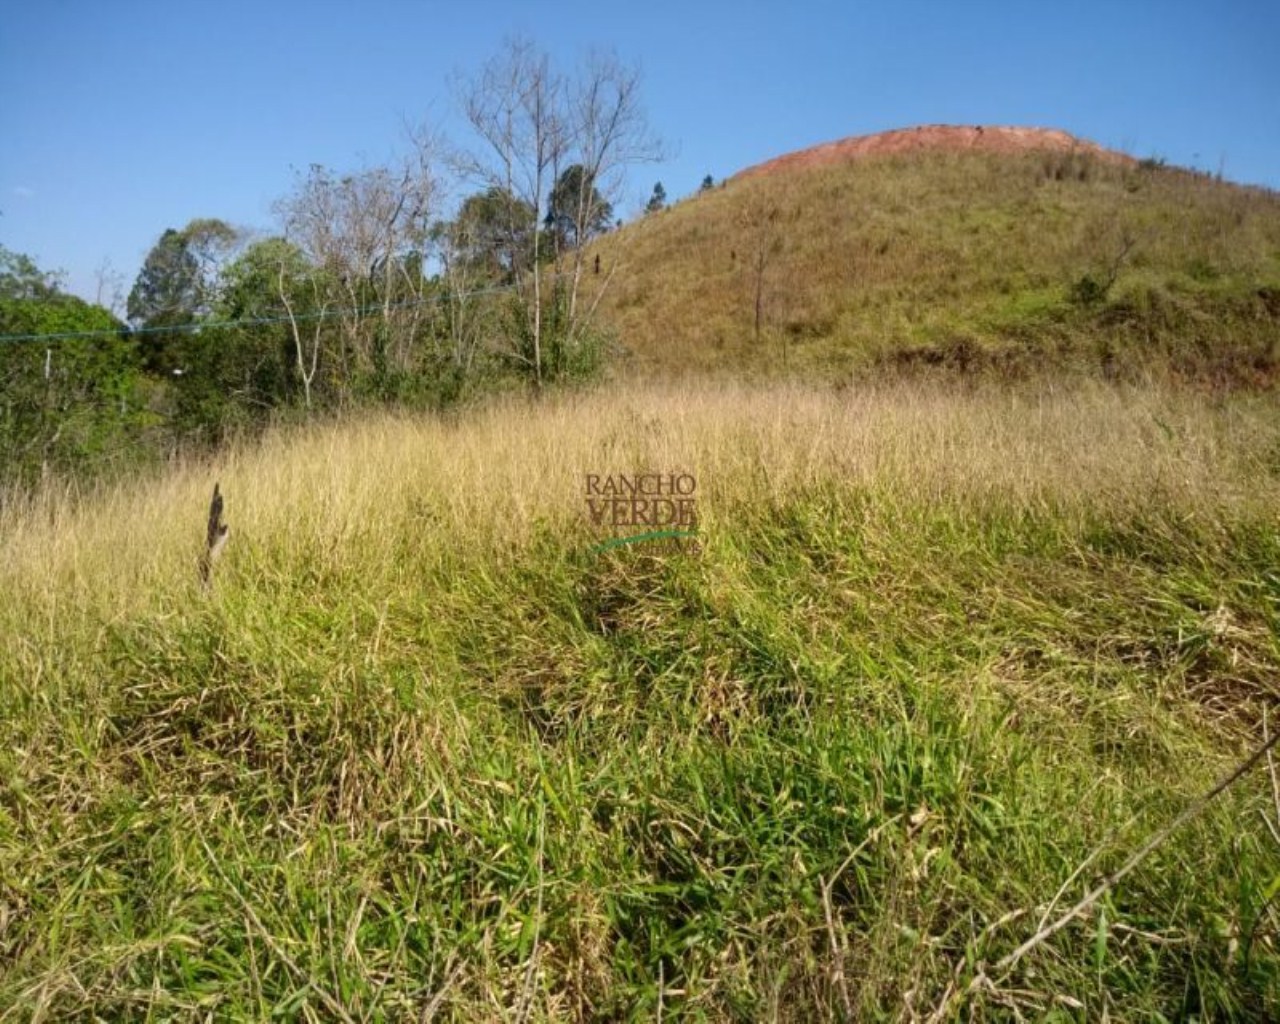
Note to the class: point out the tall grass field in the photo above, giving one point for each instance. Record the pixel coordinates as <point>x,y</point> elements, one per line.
<point>941,660</point>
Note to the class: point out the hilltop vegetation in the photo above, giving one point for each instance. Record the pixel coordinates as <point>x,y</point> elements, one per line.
<point>1059,262</point>
<point>943,661</point>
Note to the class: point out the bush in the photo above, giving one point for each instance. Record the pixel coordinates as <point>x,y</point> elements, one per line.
<point>68,402</point>
<point>568,350</point>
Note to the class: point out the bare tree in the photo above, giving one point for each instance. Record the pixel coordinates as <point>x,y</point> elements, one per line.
<point>305,372</point>
<point>760,221</point>
<point>532,122</point>
<point>110,287</point>
<point>516,106</point>
<point>455,247</point>
<point>609,133</point>
<point>367,230</point>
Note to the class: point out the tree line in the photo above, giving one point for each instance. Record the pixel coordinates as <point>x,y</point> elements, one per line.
<point>414,282</point>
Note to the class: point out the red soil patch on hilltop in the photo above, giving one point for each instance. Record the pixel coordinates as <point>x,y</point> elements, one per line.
<point>983,138</point>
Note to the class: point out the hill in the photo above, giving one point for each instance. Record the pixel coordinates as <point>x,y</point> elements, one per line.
<point>940,137</point>
<point>1011,249</point>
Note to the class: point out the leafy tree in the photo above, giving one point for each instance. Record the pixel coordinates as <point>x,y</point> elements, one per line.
<point>490,236</point>
<point>249,288</point>
<point>70,400</point>
<point>576,211</point>
<point>279,357</point>
<point>20,278</point>
<point>212,242</point>
<point>177,284</point>
<point>252,364</point>
<point>488,242</point>
<point>167,287</point>
<point>657,201</point>
<point>165,294</point>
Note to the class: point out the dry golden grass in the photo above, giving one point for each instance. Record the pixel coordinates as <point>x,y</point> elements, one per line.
<point>346,492</point>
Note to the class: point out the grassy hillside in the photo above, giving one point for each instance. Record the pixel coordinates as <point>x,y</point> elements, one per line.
<point>943,661</point>
<point>969,259</point>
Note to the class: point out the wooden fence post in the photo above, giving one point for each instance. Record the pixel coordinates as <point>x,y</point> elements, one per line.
<point>216,539</point>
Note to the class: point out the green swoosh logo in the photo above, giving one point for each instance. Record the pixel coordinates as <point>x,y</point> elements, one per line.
<point>652,535</point>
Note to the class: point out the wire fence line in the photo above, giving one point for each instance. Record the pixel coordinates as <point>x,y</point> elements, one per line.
<point>197,326</point>
<point>72,408</point>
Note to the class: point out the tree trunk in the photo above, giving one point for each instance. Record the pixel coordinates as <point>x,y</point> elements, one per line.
<point>759,291</point>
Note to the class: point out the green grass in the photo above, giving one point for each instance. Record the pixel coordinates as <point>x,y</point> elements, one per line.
<point>424,750</point>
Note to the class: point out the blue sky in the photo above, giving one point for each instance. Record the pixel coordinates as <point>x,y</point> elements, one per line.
<point>119,119</point>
